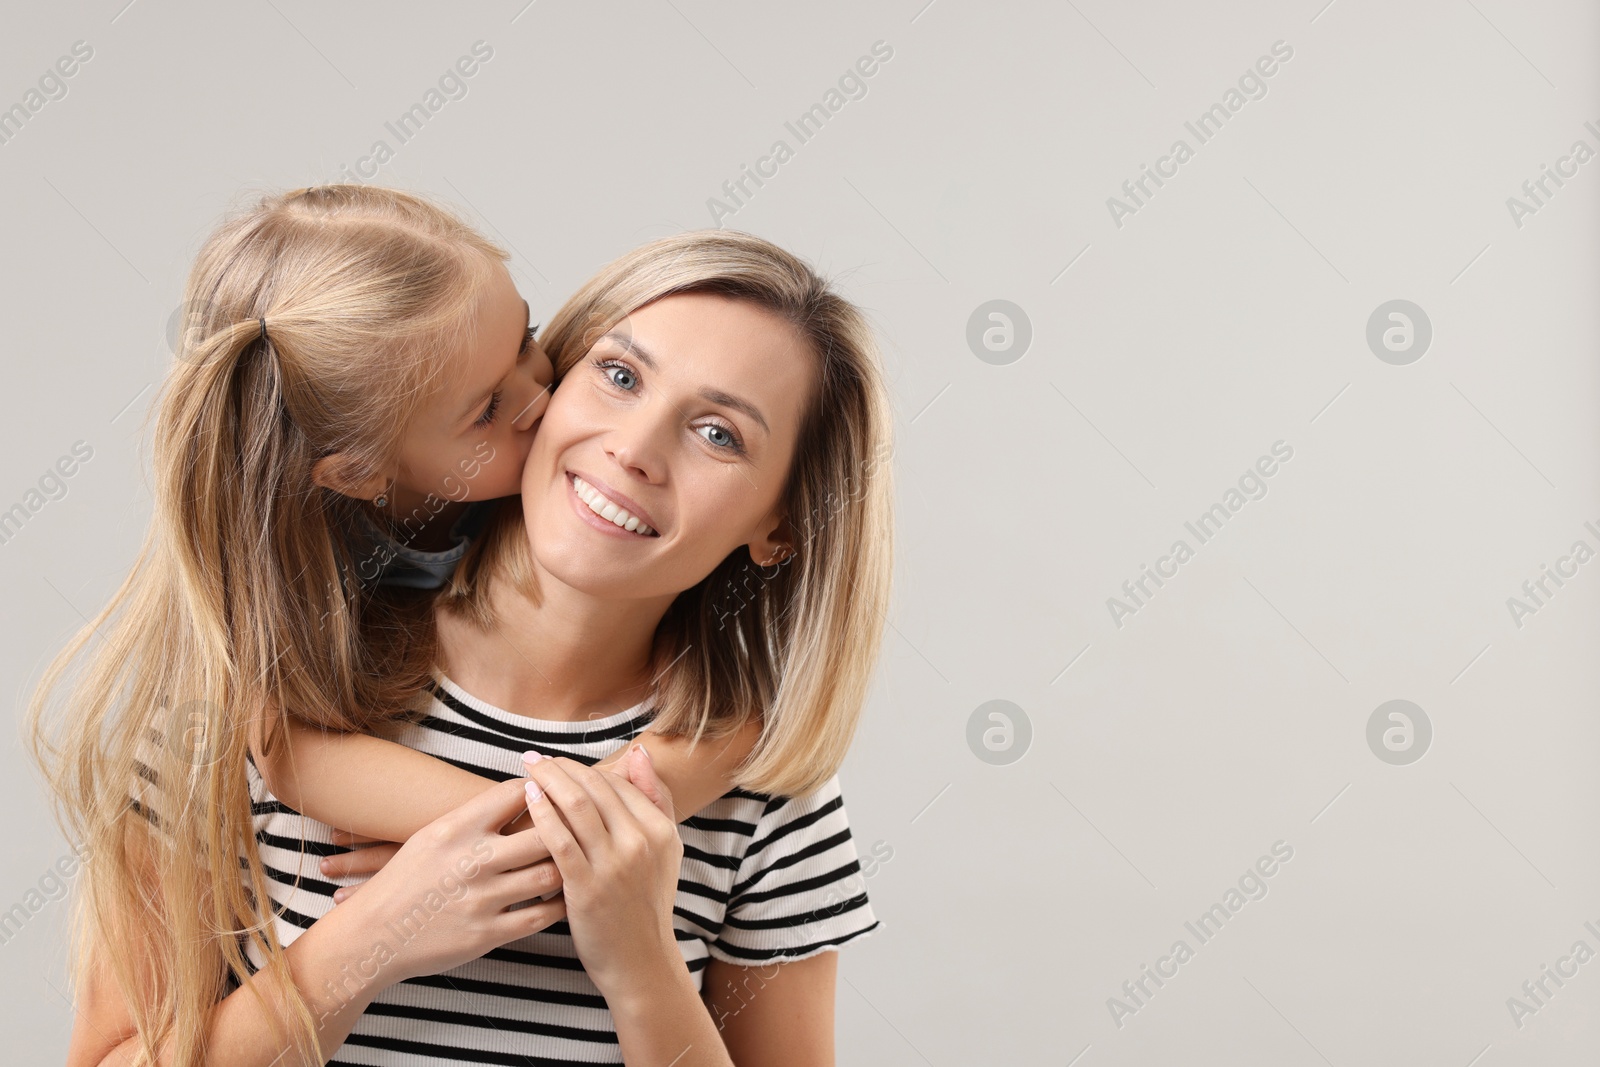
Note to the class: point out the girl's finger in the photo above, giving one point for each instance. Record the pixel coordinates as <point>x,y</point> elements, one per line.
<point>347,837</point>
<point>520,922</point>
<point>540,880</point>
<point>522,822</point>
<point>557,837</point>
<point>646,812</point>
<point>361,861</point>
<point>492,808</point>
<point>642,774</point>
<point>521,848</point>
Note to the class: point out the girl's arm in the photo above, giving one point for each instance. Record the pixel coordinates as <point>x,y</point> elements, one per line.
<point>694,779</point>
<point>247,1027</point>
<point>241,1032</point>
<point>384,790</point>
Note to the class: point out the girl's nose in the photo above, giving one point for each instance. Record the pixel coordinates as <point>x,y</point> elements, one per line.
<point>534,402</point>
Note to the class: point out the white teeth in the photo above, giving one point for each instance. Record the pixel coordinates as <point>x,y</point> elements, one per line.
<point>607,509</point>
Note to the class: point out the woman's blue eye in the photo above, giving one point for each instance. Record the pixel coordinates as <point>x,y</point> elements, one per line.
<point>623,377</point>
<point>722,437</point>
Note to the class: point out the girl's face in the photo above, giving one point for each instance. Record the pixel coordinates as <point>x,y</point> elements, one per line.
<point>685,416</point>
<point>471,440</point>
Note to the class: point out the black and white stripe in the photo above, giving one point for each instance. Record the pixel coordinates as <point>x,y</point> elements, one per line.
<point>764,880</point>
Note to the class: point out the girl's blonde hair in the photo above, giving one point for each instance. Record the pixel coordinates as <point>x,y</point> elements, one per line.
<point>793,644</point>
<point>242,605</point>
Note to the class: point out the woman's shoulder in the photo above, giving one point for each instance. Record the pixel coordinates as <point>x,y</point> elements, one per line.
<point>760,815</point>
<point>799,887</point>
<point>773,841</point>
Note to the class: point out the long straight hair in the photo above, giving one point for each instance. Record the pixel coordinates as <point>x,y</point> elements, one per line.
<point>794,644</point>
<point>240,605</point>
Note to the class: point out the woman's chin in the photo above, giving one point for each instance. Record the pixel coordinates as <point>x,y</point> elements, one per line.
<point>587,579</point>
<point>576,560</point>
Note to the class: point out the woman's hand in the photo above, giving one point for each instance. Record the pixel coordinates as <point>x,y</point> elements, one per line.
<point>442,898</point>
<point>615,842</point>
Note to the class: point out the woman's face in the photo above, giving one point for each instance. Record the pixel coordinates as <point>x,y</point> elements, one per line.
<point>685,416</point>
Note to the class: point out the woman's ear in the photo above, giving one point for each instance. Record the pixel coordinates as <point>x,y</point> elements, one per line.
<point>776,546</point>
<point>333,472</point>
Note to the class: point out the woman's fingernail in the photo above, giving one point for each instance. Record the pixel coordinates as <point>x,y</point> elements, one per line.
<point>646,752</point>
<point>534,792</point>
<point>338,896</point>
<point>531,756</point>
<point>324,865</point>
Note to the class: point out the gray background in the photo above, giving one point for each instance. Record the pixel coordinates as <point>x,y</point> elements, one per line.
<point>1167,354</point>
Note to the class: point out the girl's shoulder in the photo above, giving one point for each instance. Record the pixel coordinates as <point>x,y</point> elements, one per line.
<point>383,560</point>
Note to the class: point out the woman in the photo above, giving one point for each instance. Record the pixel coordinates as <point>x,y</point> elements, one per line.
<point>739,412</point>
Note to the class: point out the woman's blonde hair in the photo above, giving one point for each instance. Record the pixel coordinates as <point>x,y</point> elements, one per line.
<point>242,604</point>
<point>793,644</point>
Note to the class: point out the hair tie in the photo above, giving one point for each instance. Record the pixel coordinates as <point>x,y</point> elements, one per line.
<point>263,335</point>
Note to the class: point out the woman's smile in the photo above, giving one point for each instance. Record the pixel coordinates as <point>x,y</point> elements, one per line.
<point>599,509</point>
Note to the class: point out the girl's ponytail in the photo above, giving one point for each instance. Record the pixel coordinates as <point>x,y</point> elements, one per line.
<point>240,608</point>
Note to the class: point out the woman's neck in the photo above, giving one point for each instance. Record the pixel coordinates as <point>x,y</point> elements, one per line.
<point>568,657</point>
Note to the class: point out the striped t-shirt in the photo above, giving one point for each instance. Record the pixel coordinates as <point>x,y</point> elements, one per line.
<point>764,880</point>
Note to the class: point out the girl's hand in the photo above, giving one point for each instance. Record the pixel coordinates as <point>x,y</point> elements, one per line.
<point>371,860</point>
<point>442,898</point>
<point>616,844</point>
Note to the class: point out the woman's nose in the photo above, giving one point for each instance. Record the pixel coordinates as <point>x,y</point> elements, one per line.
<point>636,441</point>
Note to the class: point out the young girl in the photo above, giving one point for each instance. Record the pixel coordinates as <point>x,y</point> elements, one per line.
<point>358,372</point>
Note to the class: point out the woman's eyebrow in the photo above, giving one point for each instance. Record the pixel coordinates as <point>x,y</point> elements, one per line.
<point>632,347</point>
<point>716,396</point>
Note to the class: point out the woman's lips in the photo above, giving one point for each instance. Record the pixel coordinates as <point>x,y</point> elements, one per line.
<point>599,522</point>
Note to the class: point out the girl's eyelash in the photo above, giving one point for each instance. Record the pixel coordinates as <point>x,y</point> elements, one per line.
<point>487,418</point>
<point>737,445</point>
<point>489,412</point>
